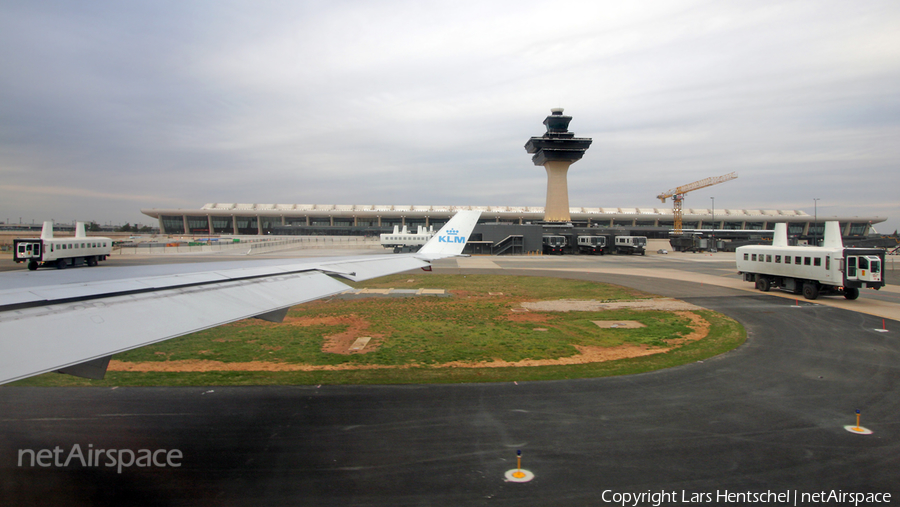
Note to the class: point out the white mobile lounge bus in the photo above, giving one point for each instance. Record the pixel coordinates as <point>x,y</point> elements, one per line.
<point>633,245</point>
<point>405,241</point>
<point>812,270</point>
<point>61,253</point>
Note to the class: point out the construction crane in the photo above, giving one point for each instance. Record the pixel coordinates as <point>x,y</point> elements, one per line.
<point>677,194</point>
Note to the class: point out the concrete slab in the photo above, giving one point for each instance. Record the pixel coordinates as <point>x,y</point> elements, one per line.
<point>618,324</point>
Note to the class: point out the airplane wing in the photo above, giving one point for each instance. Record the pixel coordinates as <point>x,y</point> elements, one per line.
<point>73,321</point>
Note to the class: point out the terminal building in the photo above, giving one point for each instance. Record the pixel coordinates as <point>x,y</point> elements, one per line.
<point>364,219</point>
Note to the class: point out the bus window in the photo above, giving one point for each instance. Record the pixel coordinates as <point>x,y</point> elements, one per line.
<point>851,267</point>
<point>863,263</point>
<point>876,266</point>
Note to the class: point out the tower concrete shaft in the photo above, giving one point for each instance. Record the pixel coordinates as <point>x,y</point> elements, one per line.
<point>557,207</point>
<point>556,150</point>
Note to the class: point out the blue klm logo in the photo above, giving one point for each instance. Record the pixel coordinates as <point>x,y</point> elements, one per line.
<point>452,237</point>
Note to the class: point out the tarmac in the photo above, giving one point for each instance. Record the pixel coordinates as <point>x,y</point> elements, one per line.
<point>766,419</point>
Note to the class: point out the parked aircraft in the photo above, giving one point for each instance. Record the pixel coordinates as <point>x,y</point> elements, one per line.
<point>73,321</point>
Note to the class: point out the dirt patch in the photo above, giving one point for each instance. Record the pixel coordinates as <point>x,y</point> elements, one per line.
<point>340,343</point>
<point>700,328</point>
<point>528,317</point>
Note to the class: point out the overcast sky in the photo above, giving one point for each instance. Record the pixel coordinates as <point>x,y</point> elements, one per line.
<point>110,107</point>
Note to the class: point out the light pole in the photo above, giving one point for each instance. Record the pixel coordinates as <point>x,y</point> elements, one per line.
<point>816,221</point>
<point>713,249</point>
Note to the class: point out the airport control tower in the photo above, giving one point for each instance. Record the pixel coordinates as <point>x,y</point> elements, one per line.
<point>556,150</point>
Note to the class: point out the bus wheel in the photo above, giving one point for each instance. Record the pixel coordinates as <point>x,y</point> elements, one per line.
<point>61,264</point>
<point>851,293</point>
<point>762,284</point>
<point>810,291</point>
<point>32,265</point>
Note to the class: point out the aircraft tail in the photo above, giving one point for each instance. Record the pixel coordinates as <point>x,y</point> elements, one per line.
<point>47,230</point>
<point>833,235</point>
<point>779,238</point>
<point>79,230</point>
<point>452,237</point>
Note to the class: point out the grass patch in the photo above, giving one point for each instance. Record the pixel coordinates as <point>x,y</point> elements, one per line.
<point>423,332</point>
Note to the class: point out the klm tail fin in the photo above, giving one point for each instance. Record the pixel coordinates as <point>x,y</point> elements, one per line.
<point>451,239</point>
<point>833,235</point>
<point>779,238</point>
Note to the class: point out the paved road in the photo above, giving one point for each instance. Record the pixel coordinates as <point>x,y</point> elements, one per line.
<point>768,416</point>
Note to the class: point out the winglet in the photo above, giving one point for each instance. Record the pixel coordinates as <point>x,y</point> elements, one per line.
<point>779,238</point>
<point>47,230</point>
<point>452,237</point>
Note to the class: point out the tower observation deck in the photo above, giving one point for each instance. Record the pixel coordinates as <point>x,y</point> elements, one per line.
<point>556,150</point>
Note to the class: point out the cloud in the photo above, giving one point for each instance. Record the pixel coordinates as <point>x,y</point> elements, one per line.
<point>48,192</point>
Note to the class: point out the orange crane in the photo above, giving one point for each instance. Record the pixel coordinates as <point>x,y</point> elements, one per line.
<point>677,194</point>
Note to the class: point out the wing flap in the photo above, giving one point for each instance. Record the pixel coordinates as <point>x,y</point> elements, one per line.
<point>47,338</point>
<point>364,269</point>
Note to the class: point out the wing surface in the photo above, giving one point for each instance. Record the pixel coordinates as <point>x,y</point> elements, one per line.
<point>50,323</point>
